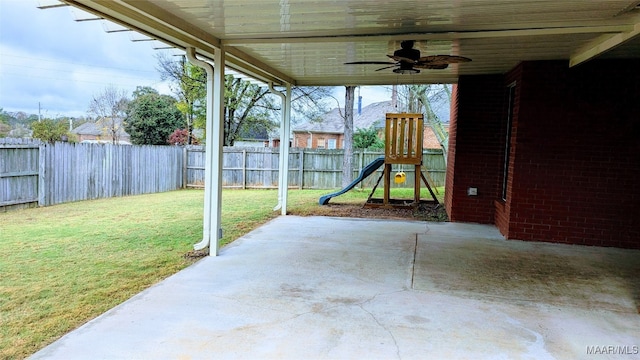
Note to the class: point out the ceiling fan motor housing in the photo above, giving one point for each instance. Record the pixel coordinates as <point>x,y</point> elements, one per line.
<point>407,51</point>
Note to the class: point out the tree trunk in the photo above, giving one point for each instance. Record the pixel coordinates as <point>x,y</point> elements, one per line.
<point>347,166</point>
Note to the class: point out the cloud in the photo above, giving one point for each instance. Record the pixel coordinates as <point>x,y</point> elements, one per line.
<point>370,94</point>
<point>374,94</point>
<point>48,59</point>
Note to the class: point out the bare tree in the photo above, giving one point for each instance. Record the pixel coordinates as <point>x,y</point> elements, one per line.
<point>109,106</point>
<point>426,99</point>
<point>347,161</point>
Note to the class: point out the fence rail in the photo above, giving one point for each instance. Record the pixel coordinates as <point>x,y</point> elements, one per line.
<point>74,172</point>
<point>35,173</point>
<point>46,174</point>
<point>250,168</point>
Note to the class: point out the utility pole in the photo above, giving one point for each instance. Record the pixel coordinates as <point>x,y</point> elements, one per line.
<point>39,114</point>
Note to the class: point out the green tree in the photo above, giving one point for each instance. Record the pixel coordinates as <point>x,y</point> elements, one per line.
<point>367,139</point>
<point>4,123</point>
<point>4,129</point>
<point>4,117</point>
<point>144,90</point>
<point>188,83</point>
<point>249,108</point>
<point>50,130</point>
<point>151,118</point>
<point>15,119</point>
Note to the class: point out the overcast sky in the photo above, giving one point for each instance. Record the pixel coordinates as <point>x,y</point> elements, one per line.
<point>51,61</point>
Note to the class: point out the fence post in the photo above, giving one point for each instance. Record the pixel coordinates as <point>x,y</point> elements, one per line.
<point>244,169</point>
<point>360,165</point>
<point>41,175</point>
<point>185,171</point>
<point>301,171</point>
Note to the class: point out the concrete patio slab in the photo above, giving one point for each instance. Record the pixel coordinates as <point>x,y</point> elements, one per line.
<point>336,288</point>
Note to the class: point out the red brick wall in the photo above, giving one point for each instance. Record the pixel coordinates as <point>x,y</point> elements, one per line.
<point>502,207</point>
<point>575,153</point>
<point>451,151</point>
<point>475,149</point>
<point>301,139</point>
<point>577,160</point>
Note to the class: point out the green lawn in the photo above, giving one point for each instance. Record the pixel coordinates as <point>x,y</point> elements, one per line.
<point>63,265</point>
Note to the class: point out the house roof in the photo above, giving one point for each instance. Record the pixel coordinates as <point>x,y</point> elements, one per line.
<point>99,128</point>
<point>303,42</point>
<point>333,121</point>
<point>88,128</point>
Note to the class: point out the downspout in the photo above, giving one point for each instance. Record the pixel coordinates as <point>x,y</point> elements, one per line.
<point>211,163</point>
<point>283,169</point>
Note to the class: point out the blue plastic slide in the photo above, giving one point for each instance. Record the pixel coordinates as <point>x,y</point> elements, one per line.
<point>368,170</point>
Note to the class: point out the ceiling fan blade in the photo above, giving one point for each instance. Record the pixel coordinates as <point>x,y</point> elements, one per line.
<point>369,62</point>
<point>402,59</point>
<point>433,66</point>
<point>386,67</point>
<point>442,59</point>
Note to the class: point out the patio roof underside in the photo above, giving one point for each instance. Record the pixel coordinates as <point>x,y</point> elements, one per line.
<point>307,42</point>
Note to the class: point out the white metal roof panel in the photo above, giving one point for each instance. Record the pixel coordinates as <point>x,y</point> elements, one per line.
<point>307,42</point>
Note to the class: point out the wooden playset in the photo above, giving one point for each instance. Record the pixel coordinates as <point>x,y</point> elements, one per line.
<point>403,147</point>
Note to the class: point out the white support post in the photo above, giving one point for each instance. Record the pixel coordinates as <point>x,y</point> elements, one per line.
<point>284,145</point>
<point>283,165</point>
<point>217,139</point>
<point>211,229</point>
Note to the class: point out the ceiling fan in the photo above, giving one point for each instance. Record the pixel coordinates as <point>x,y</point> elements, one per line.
<point>407,60</point>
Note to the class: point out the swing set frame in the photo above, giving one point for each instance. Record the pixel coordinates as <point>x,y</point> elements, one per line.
<point>403,146</point>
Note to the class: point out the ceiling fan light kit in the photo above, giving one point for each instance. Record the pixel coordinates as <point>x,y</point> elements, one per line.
<point>406,71</point>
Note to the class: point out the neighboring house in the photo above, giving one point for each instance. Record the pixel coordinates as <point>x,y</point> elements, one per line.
<point>98,132</point>
<point>274,139</point>
<point>329,133</point>
<point>251,143</point>
<point>257,136</point>
<point>429,139</point>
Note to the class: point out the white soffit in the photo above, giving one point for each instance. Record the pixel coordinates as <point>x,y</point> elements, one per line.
<point>307,42</point>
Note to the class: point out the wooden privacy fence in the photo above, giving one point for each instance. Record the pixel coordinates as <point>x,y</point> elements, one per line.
<point>19,173</point>
<point>47,174</point>
<point>75,172</point>
<point>246,168</point>
<point>34,173</point>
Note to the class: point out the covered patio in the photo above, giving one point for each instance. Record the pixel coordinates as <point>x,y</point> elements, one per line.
<point>543,147</point>
<point>544,126</point>
<point>339,288</point>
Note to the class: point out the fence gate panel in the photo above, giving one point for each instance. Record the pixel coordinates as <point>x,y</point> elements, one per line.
<point>19,169</point>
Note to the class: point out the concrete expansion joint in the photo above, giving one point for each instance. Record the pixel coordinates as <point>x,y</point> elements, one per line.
<point>413,263</point>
